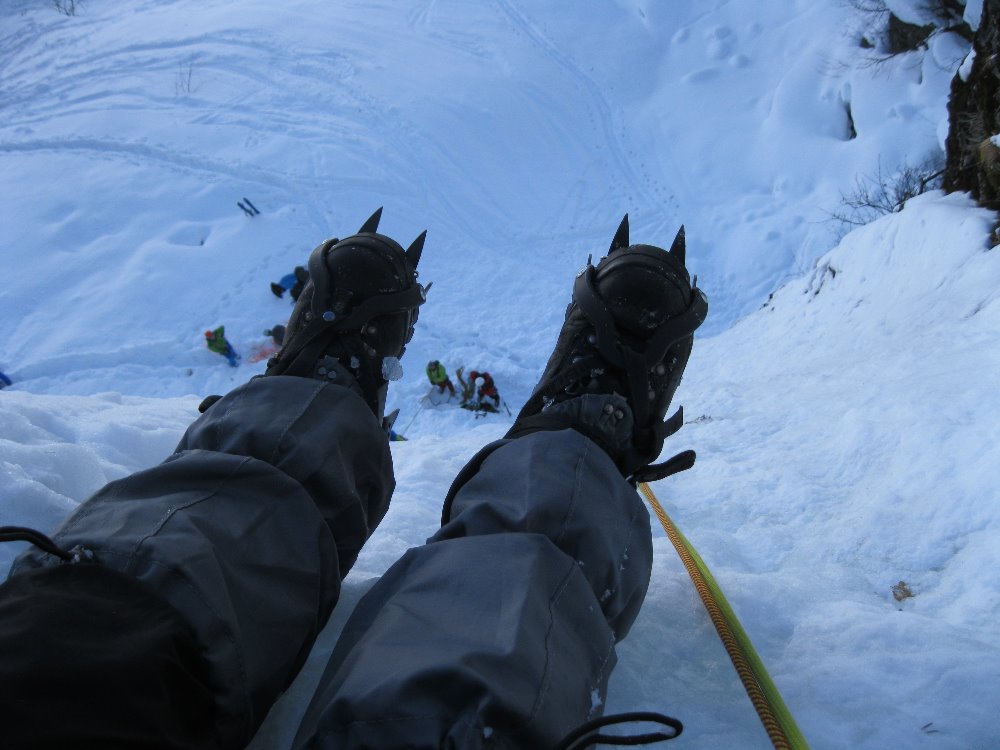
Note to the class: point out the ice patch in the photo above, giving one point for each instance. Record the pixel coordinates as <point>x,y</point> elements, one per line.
<point>392,369</point>
<point>966,68</point>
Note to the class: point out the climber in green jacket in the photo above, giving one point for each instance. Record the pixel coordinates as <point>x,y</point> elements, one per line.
<point>439,377</point>
<point>216,341</point>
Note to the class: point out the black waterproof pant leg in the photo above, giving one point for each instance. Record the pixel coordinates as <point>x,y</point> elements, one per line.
<point>213,574</point>
<point>500,631</point>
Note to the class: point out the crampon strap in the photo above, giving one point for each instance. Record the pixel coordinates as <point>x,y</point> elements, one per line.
<point>681,462</point>
<point>635,364</point>
<point>655,472</point>
<point>669,333</point>
<point>379,304</point>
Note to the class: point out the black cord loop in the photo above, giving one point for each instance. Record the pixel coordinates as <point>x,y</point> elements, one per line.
<point>37,538</point>
<point>587,734</point>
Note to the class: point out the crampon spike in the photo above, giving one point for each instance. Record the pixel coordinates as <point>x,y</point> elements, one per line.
<point>371,226</point>
<point>678,249</point>
<point>416,248</point>
<point>620,242</point>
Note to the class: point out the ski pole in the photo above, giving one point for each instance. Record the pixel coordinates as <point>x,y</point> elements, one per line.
<point>502,401</point>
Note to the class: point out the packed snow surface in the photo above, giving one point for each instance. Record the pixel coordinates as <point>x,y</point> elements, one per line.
<point>842,396</point>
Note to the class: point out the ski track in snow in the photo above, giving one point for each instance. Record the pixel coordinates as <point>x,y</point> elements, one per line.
<point>844,429</point>
<point>631,184</point>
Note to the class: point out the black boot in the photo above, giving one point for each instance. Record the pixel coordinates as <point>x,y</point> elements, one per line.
<point>620,356</point>
<point>355,315</point>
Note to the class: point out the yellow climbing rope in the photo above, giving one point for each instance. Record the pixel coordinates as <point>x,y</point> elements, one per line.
<point>764,695</point>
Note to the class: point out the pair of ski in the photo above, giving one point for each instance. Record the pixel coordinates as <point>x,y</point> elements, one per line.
<point>249,209</point>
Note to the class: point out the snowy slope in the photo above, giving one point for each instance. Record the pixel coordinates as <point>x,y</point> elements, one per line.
<point>849,444</point>
<point>518,138</point>
<point>844,429</point>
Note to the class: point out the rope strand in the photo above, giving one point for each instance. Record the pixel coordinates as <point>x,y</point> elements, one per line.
<point>774,714</point>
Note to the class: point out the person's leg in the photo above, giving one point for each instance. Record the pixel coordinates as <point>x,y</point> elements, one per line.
<point>216,569</point>
<point>239,540</point>
<point>500,631</point>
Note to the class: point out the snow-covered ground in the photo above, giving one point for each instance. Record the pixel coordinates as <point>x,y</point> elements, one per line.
<point>846,427</point>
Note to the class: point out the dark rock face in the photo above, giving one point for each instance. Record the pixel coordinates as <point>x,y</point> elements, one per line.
<point>904,36</point>
<point>973,159</point>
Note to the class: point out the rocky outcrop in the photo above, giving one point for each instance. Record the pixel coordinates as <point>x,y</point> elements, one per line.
<point>902,36</point>
<point>973,145</point>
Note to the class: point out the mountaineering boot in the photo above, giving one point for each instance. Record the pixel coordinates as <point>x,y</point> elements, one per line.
<point>620,355</point>
<point>355,315</point>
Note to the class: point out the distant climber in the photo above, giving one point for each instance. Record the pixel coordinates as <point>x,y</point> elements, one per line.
<point>267,349</point>
<point>217,342</point>
<point>439,377</point>
<point>480,386</point>
<point>293,283</point>
<point>277,334</point>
